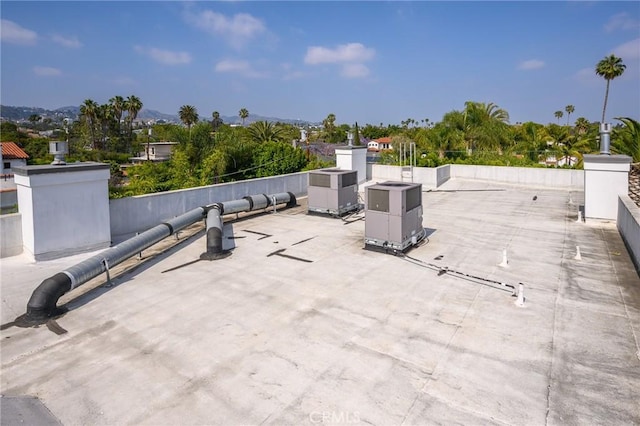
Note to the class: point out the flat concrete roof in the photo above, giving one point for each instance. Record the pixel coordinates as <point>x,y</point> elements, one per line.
<point>331,333</point>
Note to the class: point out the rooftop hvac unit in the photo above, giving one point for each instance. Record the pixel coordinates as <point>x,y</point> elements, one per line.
<point>332,191</point>
<point>393,216</point>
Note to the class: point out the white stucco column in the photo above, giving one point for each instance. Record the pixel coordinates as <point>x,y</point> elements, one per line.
<point>353,158</point>
<point>65,209</point>
<point>606,177</point>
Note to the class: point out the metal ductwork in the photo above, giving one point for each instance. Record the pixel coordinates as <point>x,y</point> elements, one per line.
<point>246,204</point>
<point>43,302</point>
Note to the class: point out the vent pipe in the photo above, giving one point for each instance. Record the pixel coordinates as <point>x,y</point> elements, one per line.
<point>605,138</point>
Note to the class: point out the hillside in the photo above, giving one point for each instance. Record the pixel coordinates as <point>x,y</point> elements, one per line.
<point>22,113</point>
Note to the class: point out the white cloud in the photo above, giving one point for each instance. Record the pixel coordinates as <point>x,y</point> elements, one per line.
<point>355,71</point>
<point>238,29</point>
<point>242,68</point>
<point>166,57</point>
<point>531,64</point>
<point>351,52</point>
<point>11,32</point>
<point>46,71</point>
<point>621,21</point>
<point>628,50</point>
<point>71,42</point>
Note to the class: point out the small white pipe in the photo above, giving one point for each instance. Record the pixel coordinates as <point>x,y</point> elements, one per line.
<point>505,262</point>
<point>579,216</point>
<point>520,300</point>
<point>578,256</point>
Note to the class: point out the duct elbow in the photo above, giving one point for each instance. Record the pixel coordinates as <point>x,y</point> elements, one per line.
<point>43,302</point>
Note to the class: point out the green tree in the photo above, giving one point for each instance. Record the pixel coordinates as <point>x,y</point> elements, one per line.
<point>243,113</point>
<point>486,126</point>
<point>216,121</point>
<point>581,125</point>
<point>117,107</point>
<point>356,136</point>
<point>264,131</point>
<point>558,115</point>
<point>33,119</point>
<point>329,125</point>
<point>569,109</point>
<point>609,68</point>
<point>188,115</point>
<point>626,139</point>
<point>89,114</point>
<point>277,158</point>
<point>133,105</point>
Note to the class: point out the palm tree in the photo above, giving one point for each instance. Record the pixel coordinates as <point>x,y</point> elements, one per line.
<point>216,121</point>
<point>243,113</point>
<point>133,105</point>
<point>117,106</point>
<point>558,115</point>
<point>569,109</point>
<point>609,68</point>
<point>104,116</point>
<point>626,140</point>
<point>582,125</point>
<point>34,118</point>
<point>189,116</point>
<point>264,131</point>
<point>89,111</point>
<point>485,126</point>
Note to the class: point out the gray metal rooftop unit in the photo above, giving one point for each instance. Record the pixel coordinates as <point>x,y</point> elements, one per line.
<point>332,191</point>
<point>393,216</point>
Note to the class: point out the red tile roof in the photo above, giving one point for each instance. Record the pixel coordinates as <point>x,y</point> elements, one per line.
<point>385,139</point>
<point>12,151</point>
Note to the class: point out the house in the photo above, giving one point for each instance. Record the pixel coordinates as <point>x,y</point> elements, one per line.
<point>157,152</point>
<point>380,144</point>
<point>12,156</point>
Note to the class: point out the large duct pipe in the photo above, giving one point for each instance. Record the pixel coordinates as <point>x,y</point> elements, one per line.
<point>42,304</point>
<point>605,138</point>
<point>246,204</point>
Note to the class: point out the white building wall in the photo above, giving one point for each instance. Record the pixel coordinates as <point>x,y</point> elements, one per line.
<point>353,158</point>
<point>605,179</point>
<point>65,209</point>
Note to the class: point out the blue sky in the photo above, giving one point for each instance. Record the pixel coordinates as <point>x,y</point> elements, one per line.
<point>363,61</point>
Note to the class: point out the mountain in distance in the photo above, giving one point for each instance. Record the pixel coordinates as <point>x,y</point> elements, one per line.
<point>22,113</point>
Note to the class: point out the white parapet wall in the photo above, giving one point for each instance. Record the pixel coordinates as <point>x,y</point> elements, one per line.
<point>11,230</point>
<point>137,214</point>
<point>433,177</point>
<point>628,223</point>
<point>530,176</point>
<point>429,177</point>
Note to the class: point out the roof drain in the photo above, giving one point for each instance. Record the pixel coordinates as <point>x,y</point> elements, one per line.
<point>249,203</point>
<point>43,302</point>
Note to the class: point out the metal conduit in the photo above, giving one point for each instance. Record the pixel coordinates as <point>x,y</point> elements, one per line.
<point>43,302</point>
